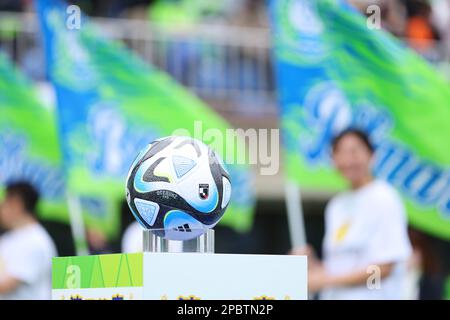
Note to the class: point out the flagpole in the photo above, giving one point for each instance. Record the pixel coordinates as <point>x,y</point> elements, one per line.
<point>77,224</point>
<point>295,214</point>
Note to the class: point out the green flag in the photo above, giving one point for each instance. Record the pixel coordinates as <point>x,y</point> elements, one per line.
<point>111,104</point>
<point>29,149</point>
<point>334,72</point>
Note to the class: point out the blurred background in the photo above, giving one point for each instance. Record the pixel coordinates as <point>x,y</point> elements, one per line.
<point>221,51</point>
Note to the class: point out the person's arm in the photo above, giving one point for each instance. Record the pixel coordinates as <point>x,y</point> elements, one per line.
<point>309,252</point>
<point>359,277</point>
<point>319,279</point>
<point>8,284</point>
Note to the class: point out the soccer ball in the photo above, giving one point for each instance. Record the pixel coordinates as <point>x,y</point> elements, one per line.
<point>178,187</point>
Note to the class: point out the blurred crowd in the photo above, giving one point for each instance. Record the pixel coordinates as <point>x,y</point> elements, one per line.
<point>190,59</point>
<point>245,78</point>
<point>234,12</point>
<point>423,24</point>
<point>420,22</point>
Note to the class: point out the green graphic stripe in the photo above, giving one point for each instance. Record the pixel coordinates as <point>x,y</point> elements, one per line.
<point>101,271</point>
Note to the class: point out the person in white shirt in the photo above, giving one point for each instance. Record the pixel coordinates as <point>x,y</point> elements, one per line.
<point>132,240</point>
<point>366,245</point>
<point>26,249</point>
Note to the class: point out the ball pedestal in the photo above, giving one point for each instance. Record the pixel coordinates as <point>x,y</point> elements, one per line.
<point>156,244</point>
<point>179,270</point>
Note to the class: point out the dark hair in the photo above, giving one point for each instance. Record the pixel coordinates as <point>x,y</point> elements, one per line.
<point>361,135</point>
<point>27,194</point>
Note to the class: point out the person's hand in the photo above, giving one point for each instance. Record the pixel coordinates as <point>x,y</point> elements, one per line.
<point>96,239</point>
<point>317,279</point>
<point>302,251</point>
<point>308,251</point>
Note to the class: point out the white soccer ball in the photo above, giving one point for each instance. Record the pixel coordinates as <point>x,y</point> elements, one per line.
<point>178,187</point>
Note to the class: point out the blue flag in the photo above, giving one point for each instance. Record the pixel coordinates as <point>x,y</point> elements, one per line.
<point>334,72</point>
<point>111,104</point>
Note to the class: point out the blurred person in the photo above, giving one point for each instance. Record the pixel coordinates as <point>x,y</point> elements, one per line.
<point>30,63</point>
<point>441,15</point>
<point>394,17</point>
<point>179,14</point>
<point>421,34</point>
<point>131,233</point>
<point>366,240</point>
<point>132,240</point>
<point>393,13</point>
<point>434,263</point>
<point>11,5</point>
<point>97,241</point>
<point>26,249</point>
<point>251,13</point>
<point>134,9</point>
<point>441,19</point>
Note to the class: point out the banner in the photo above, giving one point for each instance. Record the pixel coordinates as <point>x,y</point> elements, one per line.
<point>158,276</point>
<point>111,104</point>
<point>29,149</point>
<point>333,72</point>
